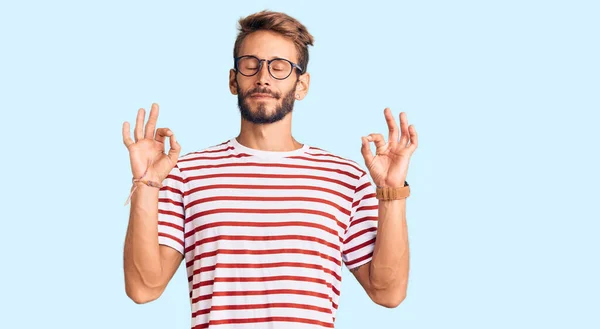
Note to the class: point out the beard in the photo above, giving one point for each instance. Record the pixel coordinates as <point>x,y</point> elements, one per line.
<point>261,115</point>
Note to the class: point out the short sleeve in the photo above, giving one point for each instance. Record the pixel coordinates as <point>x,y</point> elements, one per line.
<point>359,238</point>
<point>171,215</point>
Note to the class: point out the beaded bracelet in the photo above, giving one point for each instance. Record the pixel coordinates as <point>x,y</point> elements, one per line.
<point>145,181</point>
<point>148,182</point>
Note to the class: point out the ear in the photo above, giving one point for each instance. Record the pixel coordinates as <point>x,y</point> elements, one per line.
<point>232,82</point>
<point>302,85</point>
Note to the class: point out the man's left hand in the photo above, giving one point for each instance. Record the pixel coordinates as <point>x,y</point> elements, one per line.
<point>389,166</point>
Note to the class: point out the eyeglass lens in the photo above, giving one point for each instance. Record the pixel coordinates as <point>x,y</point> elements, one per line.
<point>279,68</point>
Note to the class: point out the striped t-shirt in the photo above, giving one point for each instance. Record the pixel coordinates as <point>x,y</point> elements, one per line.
<point>264,234</point>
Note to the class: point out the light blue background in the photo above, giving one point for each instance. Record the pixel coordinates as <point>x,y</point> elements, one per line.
<point>505,95</point>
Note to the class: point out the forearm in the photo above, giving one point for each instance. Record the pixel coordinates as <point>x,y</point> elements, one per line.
<point>142,261</point>
<point>388,272</point>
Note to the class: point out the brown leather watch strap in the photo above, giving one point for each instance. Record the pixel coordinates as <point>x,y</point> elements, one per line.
<point>389,193</point>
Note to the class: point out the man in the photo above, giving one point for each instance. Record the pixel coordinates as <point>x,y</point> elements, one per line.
<point>263,221</point>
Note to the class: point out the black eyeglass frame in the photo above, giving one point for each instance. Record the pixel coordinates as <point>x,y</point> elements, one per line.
<point>269,61</point>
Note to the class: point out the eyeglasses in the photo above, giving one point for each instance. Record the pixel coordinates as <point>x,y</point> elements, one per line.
<point>279,68</point>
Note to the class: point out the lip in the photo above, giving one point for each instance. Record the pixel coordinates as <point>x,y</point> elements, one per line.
<point>261,96</point>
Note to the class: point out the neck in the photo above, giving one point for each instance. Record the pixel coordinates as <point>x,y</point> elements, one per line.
<point>276,137</point>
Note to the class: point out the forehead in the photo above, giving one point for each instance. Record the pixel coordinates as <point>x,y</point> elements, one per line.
<point>267,44</point>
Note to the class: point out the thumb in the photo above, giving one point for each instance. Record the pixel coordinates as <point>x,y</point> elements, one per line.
<point>175,149</point>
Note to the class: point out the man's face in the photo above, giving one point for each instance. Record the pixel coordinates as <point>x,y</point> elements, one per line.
<point>262,98</point>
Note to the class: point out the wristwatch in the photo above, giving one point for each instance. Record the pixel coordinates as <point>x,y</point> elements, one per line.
<point>390,193</point>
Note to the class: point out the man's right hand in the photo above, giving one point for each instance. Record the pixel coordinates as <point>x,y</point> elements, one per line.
<point>148,266</point>
<point>148,150</point>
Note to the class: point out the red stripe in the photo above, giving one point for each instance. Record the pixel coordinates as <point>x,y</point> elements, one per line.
<point>337,292</point>
<point>171,189</point>
<point>273,165</point>
<point>359,233</point>
<point>261,252</point>
<point>260,306</point>
<point>264,265</point>
<point>364,244</point>
<point>175,226</point>
<point>266,319</point>
<point>201,284</point>
<point>265,211</point>
<point>202,312</point>
<point>362,187</point>
<point>171,237</point>
<point>262,199</point>
<point>173,177</point>
<point>260,293</point>
<point>173,202</point>
<point>360,259</point>
<point>201,242</point>
<point>265,279</point>
<point>364,219</point>
<point>365,197</point>
<point>260,224</point>
<point>271,292</point>
<point>202,297</point>
<point>272,278</point>
<point>267,187</point>
<point>241,155</point>
<point>374,207</point>
<point>172,213</point>
<point>262,211</point>
<point>202,269</point>
<point>264,176</point>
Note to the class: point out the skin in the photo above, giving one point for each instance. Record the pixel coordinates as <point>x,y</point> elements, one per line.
<point>149,267</point>
<point>385,277</point>
<point>276,136</point>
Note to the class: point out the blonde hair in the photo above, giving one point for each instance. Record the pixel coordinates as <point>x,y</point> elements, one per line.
<point>280,23</point>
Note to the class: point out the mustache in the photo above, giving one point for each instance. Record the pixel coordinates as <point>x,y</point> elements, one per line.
<point>259,90</point>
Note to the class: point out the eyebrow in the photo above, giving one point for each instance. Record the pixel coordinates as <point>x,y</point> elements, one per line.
<point>272,57</point>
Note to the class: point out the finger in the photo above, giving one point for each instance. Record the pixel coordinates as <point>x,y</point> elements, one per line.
<point>174,150</point>
<point>162,133</point>
<point>380,143</point>
<point>127,135</point>
<point>414,140</point>
<point>393,127</point>
<point>404,137</point>
<point>151,124</point>
<point>366,151</point>
<point>138,132</point>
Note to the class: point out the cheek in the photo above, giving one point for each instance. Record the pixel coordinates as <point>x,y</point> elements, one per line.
<point>243,86</point>
<point>286,89</point>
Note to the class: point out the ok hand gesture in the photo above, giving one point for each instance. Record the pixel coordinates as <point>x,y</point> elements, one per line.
<point>148,150</point>
<point>389,166</point>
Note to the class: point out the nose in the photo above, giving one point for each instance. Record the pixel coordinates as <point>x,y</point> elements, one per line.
<point>263,78</point>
